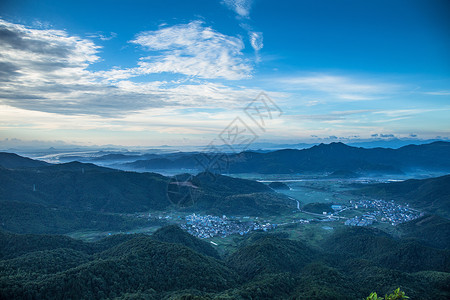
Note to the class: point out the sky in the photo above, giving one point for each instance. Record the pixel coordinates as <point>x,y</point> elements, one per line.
<point>149,73</point>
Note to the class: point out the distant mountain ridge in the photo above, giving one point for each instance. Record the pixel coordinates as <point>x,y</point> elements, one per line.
<point>317,159</point>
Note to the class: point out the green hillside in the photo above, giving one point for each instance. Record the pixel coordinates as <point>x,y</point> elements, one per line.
<point>218,194</point>
<point>22,217</point>
<point>85,187</point>
<point>174,234</point>
<point>265,266</point>
<point>271,254</point>
<point>431,230</point>
<point>385,251</point>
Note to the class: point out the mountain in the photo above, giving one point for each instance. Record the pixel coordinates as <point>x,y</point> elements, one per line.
<point>431,230</point>
<point>174,234</point>
<point>334,157</point>
<point>350,264</point>
<point>340,157</point>
<point>218,194</point>
<point>85,187</point>
<point>383,250</point>
<point>432,194</point>
<point>65,268</point>
<point>271,254</point>
<point>14,161</point>
<point>149,164</point>
<point>25,217</point>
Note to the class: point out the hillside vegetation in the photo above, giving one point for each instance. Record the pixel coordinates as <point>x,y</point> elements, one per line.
<point>266,266</point>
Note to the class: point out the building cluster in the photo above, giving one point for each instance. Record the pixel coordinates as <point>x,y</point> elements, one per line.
<point>383,211</point>
<point>211,226</point>
<point>364,220</point>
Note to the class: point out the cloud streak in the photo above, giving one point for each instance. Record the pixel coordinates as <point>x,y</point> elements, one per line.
<point>339,87</point>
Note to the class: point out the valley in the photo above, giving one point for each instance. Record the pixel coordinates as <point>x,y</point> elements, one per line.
<point>239,234</point>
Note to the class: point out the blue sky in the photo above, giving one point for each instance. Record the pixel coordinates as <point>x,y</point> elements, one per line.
<point>147,73</point>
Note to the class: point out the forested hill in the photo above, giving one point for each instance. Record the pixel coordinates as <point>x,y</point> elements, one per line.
<point>85,187</point>
<point>432,194</point>
<point>321,158</point>
<point>349,265</point>
<point>14,161</point>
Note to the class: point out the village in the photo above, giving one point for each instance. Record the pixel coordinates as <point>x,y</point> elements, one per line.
<point>384,212</point>
<point>207,226</point>
<point>369,213</point>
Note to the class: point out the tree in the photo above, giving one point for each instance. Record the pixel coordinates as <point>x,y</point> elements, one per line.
<point>396,295</point>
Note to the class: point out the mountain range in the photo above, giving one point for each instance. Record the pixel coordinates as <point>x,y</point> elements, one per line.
<point>39,201</point>
<point>323,158</point>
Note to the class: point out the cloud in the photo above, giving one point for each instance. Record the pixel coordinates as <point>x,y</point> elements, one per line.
<point>47,71</point>
<point>339,87</point>
<point>240,7</point>
<point>102,36</point>
<point>410,111</point>
<point>193,50</point>
<point>438,93</point>
<point>256,40</point>
<point>332,116</point>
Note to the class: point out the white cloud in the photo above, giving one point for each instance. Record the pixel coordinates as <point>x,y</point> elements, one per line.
<point>193,50</point>
<point>240,7</point>
<point>256,40</point>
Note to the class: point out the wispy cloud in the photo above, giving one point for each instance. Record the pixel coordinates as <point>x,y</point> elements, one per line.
<point>438,93</point>
<point>194,50</point>
<point>339,87</point>
<point>102,36</point>
<point>242,10</point>
<point>240,7</point>
<point>410,111</point>
<point>332,116</point>
<point>256,40</point>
